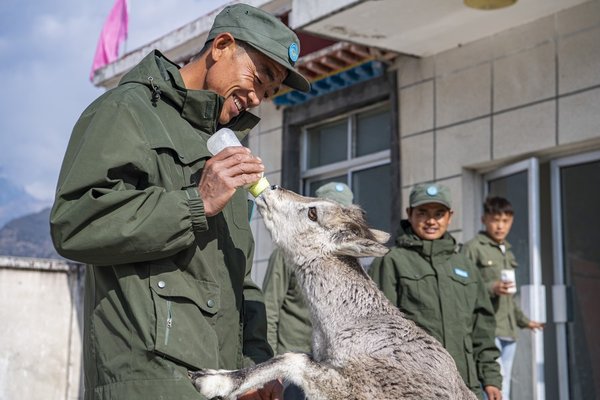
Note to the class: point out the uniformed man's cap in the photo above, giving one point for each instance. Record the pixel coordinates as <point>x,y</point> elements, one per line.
<point>430,193</point>
<point>336,191</point>
<point>267,34</point>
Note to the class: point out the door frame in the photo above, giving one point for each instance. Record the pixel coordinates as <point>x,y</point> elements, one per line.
<point>534,294</point>
<point>559,289</point>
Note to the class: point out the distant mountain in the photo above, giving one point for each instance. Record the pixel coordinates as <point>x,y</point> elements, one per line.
<point>15,201</point>
<point>28,236</point>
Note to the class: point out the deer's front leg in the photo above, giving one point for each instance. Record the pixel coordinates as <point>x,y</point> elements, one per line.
<point>216,384</point>
<point>231,384</point>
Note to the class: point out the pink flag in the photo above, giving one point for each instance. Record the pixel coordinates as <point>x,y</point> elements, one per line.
<point>113,33</point>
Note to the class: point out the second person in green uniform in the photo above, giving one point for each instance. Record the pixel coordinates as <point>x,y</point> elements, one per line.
<point>436,286</point>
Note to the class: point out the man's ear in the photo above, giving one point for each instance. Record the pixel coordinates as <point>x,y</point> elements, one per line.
<point>221,44</point>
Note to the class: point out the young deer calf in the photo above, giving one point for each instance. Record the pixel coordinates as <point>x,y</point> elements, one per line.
<point>363,346</point>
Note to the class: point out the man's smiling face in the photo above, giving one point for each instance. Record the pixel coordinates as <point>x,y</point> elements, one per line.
<point>244,77</point>
<point>429,221</point>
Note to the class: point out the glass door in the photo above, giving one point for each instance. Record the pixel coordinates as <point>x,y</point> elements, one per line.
<point>519,183</point>
<point>576,292</point>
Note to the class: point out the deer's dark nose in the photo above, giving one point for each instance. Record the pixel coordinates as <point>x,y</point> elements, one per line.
<point>274,187</point>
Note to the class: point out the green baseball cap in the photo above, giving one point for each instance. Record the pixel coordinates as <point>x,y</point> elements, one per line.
<point>267,34</point>
<point>429,193</point>
<point>336,191</point>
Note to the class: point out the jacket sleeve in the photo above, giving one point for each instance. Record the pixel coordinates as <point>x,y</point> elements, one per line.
<point>275,288</point>
<point>522,320</point>
<point>383,272</point>
<point>485,351</point>
<point>105,212</point>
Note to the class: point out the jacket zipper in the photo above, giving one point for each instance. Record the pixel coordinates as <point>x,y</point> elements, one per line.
<point>169,322</point>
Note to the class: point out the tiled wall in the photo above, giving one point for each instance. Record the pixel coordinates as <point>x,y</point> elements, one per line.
<point>532,90</point>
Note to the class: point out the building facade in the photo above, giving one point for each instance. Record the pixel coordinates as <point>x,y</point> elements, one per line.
<point>503,102</point>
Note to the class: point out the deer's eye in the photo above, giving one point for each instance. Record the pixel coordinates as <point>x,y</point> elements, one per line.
<point>312,213</point>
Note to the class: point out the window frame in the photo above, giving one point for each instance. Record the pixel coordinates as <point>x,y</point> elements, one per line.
<point>350,164</point>
<point>331,106</point>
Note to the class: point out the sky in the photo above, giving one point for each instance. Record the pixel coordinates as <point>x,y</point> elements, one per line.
<point>46,53</point>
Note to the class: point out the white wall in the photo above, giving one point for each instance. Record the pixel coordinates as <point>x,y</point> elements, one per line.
<point>40,338</point>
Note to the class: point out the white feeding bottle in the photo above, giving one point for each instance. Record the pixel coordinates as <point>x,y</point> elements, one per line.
<point>225,137</point>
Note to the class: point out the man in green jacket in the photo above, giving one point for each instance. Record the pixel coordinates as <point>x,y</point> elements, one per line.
<point>440,289</point>
<point>162,224</point>
<point>288,321</point>
<point>492,254</point>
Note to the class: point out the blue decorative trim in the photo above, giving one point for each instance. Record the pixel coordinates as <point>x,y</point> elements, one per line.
<point>369,70</point>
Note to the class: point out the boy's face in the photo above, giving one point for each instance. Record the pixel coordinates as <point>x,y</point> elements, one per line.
<point>429,221</point>
<point>497,226</point>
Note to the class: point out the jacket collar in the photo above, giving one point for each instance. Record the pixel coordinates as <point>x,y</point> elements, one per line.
<point>484,239</point>
<point>201,108</point>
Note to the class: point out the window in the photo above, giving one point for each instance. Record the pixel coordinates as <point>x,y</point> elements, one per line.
<point>355,149</point>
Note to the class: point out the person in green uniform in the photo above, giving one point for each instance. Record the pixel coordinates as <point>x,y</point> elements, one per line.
<point>492,254</point>
<point>440,289</point>
<point>162,224</point>
<point>288,321</point>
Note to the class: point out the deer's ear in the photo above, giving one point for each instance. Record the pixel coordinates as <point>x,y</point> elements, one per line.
<point>361,248</point>
<point>380,236</point>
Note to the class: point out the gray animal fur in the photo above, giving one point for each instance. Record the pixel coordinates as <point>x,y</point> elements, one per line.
<point>363,346</point>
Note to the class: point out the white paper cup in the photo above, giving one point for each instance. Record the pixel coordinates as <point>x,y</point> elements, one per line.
<point>508,275</point>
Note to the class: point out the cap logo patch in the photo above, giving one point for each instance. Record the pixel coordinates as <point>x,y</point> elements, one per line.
<point>432,190</point>
<point>339,187</point>
<point>293,52</point>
